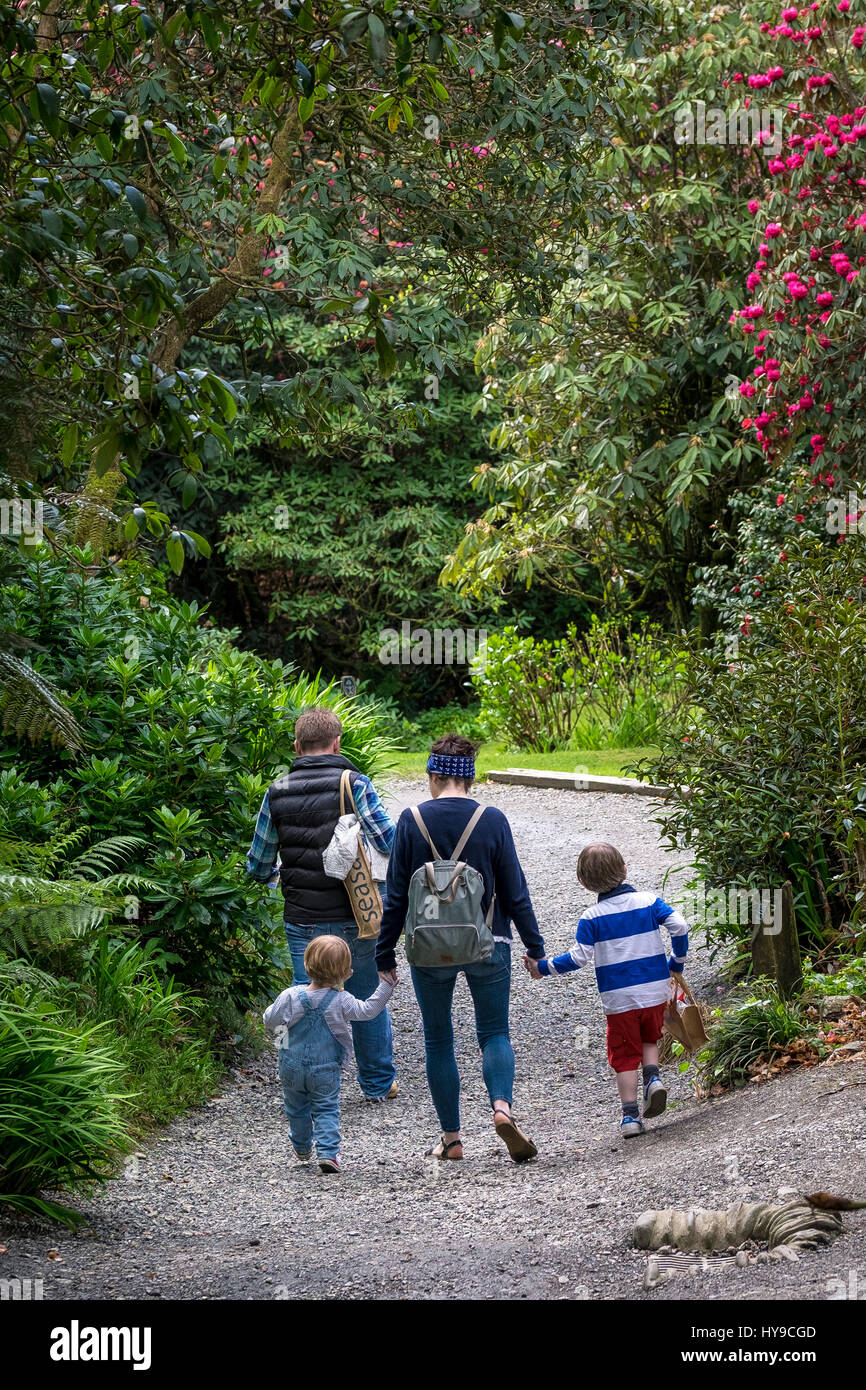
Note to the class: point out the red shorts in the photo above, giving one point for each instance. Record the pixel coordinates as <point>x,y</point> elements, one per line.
<point>627,1033</point>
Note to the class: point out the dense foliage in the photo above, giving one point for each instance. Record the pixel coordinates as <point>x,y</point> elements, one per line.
<point>317,553</point>
<point>610,687</point>
<point>770,758</point>
<point>184,733</point>
<point>620,435</point>
<point>162,164</point>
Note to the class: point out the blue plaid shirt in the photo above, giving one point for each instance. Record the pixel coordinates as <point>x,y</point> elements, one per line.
<point>264,853</point>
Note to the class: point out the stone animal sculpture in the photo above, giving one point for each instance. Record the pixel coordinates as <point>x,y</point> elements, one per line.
<point>800,1223</point>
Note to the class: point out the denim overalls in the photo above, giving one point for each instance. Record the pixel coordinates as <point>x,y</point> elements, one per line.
<point>310,1064</point>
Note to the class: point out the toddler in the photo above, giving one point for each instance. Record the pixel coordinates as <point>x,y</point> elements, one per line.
<point>311,1024</point>
<point>621,934</point>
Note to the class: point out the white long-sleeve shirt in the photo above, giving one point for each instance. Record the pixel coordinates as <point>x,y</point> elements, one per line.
<point>343,1010</point>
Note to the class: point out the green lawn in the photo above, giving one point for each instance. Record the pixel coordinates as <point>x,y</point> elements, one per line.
<point>605,762</point>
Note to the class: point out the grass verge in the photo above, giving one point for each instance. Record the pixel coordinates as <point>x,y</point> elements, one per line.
<point>603,762</point>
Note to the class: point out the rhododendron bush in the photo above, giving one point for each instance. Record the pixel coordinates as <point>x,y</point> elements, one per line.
<point>804,321</point>
<point>622,456</point>
<point>804,392</point>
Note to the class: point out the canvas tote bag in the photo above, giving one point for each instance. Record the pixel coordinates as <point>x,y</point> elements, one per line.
<point>358,880</point>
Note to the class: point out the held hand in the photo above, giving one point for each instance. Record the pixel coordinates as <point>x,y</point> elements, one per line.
<point>532,966</point>
<point>389,975</point>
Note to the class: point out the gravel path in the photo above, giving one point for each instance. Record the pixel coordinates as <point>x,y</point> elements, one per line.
<point>212,1209</point>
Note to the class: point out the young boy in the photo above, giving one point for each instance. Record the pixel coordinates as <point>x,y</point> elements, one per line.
<point>311,1024</point>
<point>621,933</point>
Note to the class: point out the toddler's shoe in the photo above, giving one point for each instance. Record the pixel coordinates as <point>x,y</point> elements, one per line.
<point>655,1098</point>
<point>303,1155</point>
<point>329,1165</point>
<point>630,1126</point>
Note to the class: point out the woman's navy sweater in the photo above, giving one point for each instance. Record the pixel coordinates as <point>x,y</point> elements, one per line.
<point>490,850</point>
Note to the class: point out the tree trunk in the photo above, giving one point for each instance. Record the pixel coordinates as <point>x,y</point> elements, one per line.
<point>48,30</point>
<point>777,953</point>
<point>239,273</point>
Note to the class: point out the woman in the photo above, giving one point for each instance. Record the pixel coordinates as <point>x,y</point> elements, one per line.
<point>490,850</point>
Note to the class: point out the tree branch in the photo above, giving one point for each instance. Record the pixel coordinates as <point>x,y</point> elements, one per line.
<point>245,262</point>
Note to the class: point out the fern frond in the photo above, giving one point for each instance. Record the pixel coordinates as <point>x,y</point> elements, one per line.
<point>105,857</point>
<point>31,708</point>
<point>57,849</point>
<point>40,913</point>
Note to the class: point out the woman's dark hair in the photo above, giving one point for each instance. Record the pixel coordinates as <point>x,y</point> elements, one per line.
<point>456,746</point>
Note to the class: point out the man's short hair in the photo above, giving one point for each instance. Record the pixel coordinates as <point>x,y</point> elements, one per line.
<point>600,867</point>
<point>316,728</point>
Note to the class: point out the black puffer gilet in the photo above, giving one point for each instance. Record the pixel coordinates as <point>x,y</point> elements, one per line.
<point>305,807</point>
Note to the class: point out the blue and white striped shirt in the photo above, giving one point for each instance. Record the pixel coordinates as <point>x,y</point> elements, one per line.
<point>621,935</point>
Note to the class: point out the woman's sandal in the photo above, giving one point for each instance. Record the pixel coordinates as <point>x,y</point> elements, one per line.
<point>519,1147</point>
<point>445,1151</point>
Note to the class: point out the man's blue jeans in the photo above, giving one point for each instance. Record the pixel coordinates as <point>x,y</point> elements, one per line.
<point>490,987</point>
<point>372,1041</point>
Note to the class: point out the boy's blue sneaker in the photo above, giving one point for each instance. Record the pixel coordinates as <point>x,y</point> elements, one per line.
<point>630,1126</point>
<point>655,1098</point>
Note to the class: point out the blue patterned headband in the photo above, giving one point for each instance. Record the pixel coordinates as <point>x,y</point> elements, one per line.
<point>446,765</point>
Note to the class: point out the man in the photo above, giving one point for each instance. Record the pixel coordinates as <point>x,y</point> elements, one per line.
<point>296,822</point>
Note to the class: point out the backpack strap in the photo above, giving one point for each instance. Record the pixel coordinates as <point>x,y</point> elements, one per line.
<point>419,821</point>
<point>458,849</point>
<point>461,843</point>
<point>449,892</point>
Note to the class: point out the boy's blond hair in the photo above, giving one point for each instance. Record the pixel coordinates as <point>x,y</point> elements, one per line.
<point>328,961</point>
<point>600,867</point>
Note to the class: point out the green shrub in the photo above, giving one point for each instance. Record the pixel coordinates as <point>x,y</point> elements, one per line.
<point>61,1109</point>
<point>416,731</point>
<point>848,977</point>
<point>773,750</point>
<point>610,687</point>
<point>185,732</point>
<point>764,1023</point>
<point>49,917</point>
